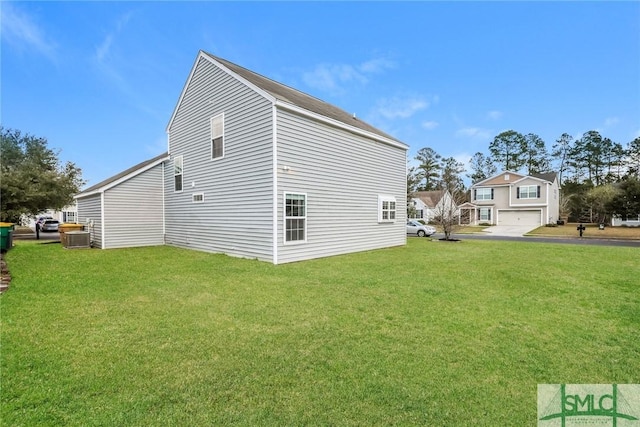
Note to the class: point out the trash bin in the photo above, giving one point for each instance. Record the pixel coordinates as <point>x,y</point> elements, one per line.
<point>6,236</point>
<point>63,229</point>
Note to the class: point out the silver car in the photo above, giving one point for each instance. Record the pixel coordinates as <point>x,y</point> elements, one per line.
<point>49,225</point>
<point>421,230</point>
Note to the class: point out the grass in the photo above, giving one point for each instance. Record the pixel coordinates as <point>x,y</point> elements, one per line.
<point>592,231</point>
<point>432,333</point>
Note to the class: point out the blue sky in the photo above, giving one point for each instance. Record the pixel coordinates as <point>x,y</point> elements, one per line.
<point>100,80</point>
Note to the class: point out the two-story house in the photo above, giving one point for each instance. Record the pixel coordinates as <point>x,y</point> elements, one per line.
<point>257,169</point>
<point>511,198</point>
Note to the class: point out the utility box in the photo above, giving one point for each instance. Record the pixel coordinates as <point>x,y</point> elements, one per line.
<point>6,236</point>
<point>63,229</point>
<point>77,239</point>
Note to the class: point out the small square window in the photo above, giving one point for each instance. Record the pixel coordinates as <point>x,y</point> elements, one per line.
<point>386,209</point>
<point>198,197</point>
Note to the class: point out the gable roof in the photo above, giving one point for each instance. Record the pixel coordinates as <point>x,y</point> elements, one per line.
<point>502,178</point>
<point>286,96</point>
<point>513,177</point>
<point>122,176</point>
<point>430,198</point>
<point>549,176</point>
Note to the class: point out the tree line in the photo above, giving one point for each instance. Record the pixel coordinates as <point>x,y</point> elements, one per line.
<point>32,178</point>
<point>598,176</point>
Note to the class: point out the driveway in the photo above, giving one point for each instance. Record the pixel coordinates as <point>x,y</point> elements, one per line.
<point>508,230</point>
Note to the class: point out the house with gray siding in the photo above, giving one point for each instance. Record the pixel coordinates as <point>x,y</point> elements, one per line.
<point>127,209</point>
<point>260,170</point>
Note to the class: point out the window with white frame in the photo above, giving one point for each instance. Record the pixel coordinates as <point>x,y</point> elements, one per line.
<point>295,217</point>
<point>484,193</point>
<point>177,173</point>
<point>484,214</point>
<point>386,209</point>
<point>198,197</point>
<point>68,216</point>
<point>528,192</point>
<point>217,136</point>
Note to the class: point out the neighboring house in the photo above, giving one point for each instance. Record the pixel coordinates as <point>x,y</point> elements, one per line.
<point>127,209</point>
<point>429,204</point>
<point>258,169</point>
<point>68,214</point>
<point>510,198</point>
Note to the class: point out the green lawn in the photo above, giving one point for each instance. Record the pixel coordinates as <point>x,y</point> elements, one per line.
<point>434,333</point>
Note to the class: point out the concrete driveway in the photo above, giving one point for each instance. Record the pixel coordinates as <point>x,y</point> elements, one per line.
<point>508,230</point>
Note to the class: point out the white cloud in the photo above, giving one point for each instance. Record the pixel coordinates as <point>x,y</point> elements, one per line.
<point>330,78</point>
<point>473,132</point>
<point>376,65</point>
<point>494,115</point>
<point>333,77</point>
<point>430,125</point>
<point>611,121</point>
<point>103,51</point>
<point>19,30</point>
<point>397,107</point>
<point>463,158</point>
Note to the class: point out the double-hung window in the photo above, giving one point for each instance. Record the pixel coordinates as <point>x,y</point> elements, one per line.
<point>177,173</point>
<point>386,209</point>
<point>295,217</point>
<point>217,136</point>
<point>484,214</point>
<point>528,192</point>
<point>484,193</point>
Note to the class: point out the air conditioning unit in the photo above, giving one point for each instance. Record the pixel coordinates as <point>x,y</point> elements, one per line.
<point>78,239</point>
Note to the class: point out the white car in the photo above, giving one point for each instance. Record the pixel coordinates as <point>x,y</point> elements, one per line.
<point>421,230</point>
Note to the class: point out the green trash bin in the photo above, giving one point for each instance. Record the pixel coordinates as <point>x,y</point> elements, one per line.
<point>6,236</point>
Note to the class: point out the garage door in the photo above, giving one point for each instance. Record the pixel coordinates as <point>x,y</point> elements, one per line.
<point>531,218</point>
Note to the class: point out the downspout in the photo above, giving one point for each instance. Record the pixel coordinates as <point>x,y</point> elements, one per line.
<point>274,206</point>
<point>164,226</point>
<point>103,222</point>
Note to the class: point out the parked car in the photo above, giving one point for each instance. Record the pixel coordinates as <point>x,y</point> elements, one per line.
<point>421,230</point>
<point>49,225</point>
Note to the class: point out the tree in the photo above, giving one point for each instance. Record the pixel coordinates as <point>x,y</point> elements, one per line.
<point>450,179</point>
<point>561,151</point>
<point>633,154</point>
<point>589,154</point>
<point>508,150</point>
<point>599,199</point>
<point>413,180</point>
<point>452,195</point>
<point>31,177</point>
<point>429,167</point>
<point>626,202</point>
<point>615,161</point>
<point>482,167</point>
<point>536,155</point>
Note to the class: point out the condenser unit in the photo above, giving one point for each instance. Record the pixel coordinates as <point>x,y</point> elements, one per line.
<point>78,239</point>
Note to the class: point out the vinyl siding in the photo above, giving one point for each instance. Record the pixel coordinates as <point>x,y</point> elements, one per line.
<point>133,211</point>
<point>515,202</point>
<point>90,208</point>
<point>236,215</point>
<point>342,175</point>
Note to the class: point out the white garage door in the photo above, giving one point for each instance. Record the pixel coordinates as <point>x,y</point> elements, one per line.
<point>531,218</point>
